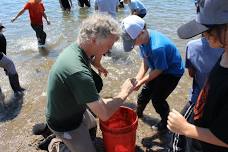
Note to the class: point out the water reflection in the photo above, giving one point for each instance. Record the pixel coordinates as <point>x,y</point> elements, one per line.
<point>83,13</point>
<point>43,51</point>
<point>33,65</point>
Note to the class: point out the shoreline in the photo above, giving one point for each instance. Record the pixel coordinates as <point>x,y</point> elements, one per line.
<point>17,130</point>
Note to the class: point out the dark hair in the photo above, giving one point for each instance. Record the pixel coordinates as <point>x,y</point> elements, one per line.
<point>219,31</point>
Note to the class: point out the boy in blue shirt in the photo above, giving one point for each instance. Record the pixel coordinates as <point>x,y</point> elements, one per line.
<point>163,61</point>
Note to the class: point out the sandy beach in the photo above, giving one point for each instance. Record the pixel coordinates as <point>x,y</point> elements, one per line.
<point>18,119</point>
<point>33,66</point>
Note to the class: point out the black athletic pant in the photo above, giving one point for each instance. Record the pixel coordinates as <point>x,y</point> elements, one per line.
<point>158,90</point>
<point>180,143</point>
<point>81,3</point>
<point>40,34</point>
<point>65,4</point>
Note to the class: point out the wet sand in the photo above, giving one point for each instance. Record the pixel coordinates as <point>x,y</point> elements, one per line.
<point>33,66</point>
<point>19,117</point>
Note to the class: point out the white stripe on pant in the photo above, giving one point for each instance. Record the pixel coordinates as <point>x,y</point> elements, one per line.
<point>176,137</point>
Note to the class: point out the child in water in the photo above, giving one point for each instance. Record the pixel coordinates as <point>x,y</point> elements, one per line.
<point>36,12</point>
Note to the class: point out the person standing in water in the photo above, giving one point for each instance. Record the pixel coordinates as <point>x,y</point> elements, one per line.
<point>83,3</point>
<point>36,12</point>
<point>163,62</point>
<point>136,7</point>
<point>8,65</point>
<point>65,4</point>
<point>107,6</point>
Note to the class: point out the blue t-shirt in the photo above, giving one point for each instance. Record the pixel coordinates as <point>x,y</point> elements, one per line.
<point>138,6</point>
<point>160,53</point>
<point>202,58</point>
<point>108,6</point>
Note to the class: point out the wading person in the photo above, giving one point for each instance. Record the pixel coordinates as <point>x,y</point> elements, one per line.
<point>107,6</point>
<point>163,61</point>
<point>211,109</point>
<point>36,12</point>
<point>65,4</point>
<point>136,7</point>
<point>81,3</point>
<point>72,90</point>
<point>7,64</point>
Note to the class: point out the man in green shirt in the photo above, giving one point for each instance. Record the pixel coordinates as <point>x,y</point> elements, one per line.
<point>71,88</point>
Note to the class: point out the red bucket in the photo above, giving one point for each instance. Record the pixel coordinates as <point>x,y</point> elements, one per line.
<point>119,132</point>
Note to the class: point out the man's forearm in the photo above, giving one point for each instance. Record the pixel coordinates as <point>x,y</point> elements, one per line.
<point>112,104</point>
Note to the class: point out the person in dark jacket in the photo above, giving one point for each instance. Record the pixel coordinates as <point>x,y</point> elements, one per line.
<point>7,64</point>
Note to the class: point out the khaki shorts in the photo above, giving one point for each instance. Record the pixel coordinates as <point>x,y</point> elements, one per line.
<point>79,140</point>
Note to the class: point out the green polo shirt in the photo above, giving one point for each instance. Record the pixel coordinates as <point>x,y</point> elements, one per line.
<point>70,87</point>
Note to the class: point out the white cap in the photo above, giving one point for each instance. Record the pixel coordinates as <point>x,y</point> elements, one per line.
<point>132,26</point>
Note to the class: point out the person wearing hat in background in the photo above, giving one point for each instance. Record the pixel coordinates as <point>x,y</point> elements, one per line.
<point>8,65</point>
<point>36,12</point>
<point>163,61</point>
<point>83,3</point>
<point>211,109</point>
<point>136,7</point>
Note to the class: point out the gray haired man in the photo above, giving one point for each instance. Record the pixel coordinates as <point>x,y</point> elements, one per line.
<point>71,88</point>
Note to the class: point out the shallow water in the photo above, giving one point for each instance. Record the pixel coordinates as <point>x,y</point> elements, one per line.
<point>33,65</point>
<point>163,15</point>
